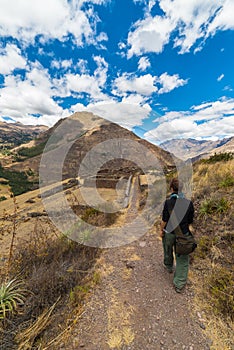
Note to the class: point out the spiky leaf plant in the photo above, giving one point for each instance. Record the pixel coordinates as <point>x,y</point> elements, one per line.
<point>12,294</point>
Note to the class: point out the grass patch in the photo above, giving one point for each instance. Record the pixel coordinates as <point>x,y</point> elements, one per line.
<point>221,291</point>
<point>228,181</point>
<point>214,206</point>
<point>94,216</point>
<point>212,267</point>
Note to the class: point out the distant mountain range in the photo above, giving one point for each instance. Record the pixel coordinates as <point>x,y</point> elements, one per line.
<point>15,134</point>
<point>195,149</point>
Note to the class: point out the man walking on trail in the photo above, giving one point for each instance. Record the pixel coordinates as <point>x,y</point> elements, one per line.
<point>184,213</point>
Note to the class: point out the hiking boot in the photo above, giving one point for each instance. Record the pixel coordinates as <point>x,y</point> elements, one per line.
<point>169,269</point>
<point>178,290</point>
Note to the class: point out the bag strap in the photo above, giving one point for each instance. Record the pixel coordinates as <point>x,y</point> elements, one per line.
<point>174,220</point>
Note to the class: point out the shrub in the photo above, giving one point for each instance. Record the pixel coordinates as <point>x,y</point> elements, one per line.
<point>2,198</point>
<point>219,157</point>
<point>211,206</point>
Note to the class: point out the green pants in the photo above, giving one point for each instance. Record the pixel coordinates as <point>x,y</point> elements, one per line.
<point>182,261</point>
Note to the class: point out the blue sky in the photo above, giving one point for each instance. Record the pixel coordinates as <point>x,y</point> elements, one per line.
<point>162,68</point>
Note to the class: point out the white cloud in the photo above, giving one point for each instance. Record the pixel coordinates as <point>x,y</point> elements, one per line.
<point>100,73</point>
<point>170,82</point>
<point>187,129</point>
<point>149,4</point>
<point>86,83</point>
<point>214,118</point>
<point>143,63</point>
<point>149,35</point>
<point>10,59</point>
<point>128,83</point>
<point>25,19</point>
<point>23,97</point>
<point>190,22</point>
<point>220,77</point>
<point>147,84</point>
<point>82,65</point>
<point>125,113</point>
<point>61,64</point>
<point>224,18</point>
<point>227,88</point>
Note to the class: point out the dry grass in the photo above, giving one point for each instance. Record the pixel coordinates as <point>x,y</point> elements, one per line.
<point>120,333</point>
<point>208,177</point>
<point>51,267</point>
<point>28,336</point>
<point>217,328</point>
<point>212,270</point>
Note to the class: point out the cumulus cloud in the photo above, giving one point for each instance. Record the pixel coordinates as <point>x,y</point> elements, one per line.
<point>11,58</point>
<point>26,19</point>
<point>147,84</point>
<point>124,113</point>
<point>213,118</point>
<point>31,95</point>
<point>86,83</point>
<point>149,35</point>
<point>170,82</point>
<point>143,63</point>
<point>35,97</point>
<point>187,22</point>
<point>129,83</point>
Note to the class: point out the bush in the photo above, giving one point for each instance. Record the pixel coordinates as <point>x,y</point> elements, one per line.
<point>219,157</point>
<point>212,206</point>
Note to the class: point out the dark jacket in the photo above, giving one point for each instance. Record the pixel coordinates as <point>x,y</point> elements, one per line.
<point>183,210</point>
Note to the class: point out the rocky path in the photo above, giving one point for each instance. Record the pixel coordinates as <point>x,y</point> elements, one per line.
<point>135,307</point>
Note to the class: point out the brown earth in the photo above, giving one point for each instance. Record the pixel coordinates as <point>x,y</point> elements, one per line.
<point>136,307</point>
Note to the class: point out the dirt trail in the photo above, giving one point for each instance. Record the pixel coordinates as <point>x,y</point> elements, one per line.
<point>135,306</point>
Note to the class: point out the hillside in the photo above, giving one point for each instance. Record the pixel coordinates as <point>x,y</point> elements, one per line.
<point>195,149</point>
<point>15,134</point>
<point>85,132</point>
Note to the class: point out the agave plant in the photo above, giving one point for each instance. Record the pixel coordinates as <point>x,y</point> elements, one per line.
<point>12,294</point>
